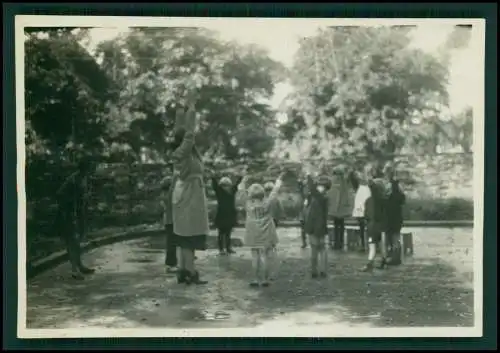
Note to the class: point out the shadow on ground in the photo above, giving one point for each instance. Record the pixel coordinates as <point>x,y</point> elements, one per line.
<point>131,290</point>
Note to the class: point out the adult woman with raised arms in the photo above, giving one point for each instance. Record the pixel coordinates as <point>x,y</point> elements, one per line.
<point>189,203</point>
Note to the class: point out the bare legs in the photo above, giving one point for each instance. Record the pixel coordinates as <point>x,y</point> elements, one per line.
<point>224,240</point>
<point>260,266</point>
<point>319,256</point>
<point>373,243</point>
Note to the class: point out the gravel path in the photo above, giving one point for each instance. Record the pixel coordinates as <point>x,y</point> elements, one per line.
<point>131,290</point>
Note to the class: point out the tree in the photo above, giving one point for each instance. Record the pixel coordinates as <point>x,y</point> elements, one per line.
<point>155,68</point>
<point>66,92</point>
<point>362,91</point>
<point>65,96</point>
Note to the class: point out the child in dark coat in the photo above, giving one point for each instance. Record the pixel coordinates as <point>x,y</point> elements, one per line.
<point>394,213</point>
<point>376,216</point>
<point>227,214</point>
<point>316,224</point>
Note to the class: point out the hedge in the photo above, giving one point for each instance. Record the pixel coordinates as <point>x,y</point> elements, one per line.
<point>454,209</point>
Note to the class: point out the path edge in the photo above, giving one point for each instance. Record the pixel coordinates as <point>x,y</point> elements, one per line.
<point>57,258</point>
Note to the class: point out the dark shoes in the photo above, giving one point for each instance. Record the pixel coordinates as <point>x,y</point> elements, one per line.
<point>383,264</point>
<point>318,275</point>
<point>257,284</point>
<point>394,259</point>
<point>86,270</point>
<point>182,276</point>
<point>367,268</point>
<point>186,277</point>
<point>79,275</point>
<point>227,252</point>
<point>171,269</point>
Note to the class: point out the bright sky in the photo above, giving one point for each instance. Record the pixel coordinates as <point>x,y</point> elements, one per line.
<point>282,42</point>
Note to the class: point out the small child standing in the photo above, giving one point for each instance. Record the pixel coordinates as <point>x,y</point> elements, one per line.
<point>227,214</point>
<point>362,193</point>
<point>316,225</point>
<point>394,217</point>
<point>375,215</point>
<point>261,235</point>
<point>277,213</point>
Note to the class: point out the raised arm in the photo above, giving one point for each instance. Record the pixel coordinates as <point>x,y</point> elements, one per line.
<point>242,189</point>
<point>312,185</point>
<point>215,184</point>
<point>276,188</point>
<point>188,141</point>
<point>236,185</point>
<point>400,195</point>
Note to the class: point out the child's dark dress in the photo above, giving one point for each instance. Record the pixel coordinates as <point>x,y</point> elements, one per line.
<point>375,213</point>
<point>227,214</point>
<point>317,214</point>
<point>394,213</point>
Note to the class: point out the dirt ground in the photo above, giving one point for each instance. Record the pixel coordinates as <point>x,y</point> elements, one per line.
<point>131,289</point>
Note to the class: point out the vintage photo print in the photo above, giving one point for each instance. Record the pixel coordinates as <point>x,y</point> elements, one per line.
<point>249,177</point>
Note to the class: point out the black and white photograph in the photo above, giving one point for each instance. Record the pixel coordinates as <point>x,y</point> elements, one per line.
<point>249,177</point>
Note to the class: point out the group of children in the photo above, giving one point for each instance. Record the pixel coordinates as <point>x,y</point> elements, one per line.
<point>376,193</point>
<point>378,205</point>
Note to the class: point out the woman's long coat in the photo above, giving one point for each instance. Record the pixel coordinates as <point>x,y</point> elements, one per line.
<point>189,201</point>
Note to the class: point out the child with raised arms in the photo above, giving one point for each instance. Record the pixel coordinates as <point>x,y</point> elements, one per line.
<point>261,235</point>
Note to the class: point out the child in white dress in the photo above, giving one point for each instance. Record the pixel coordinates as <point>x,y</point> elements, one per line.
<point>261,235</point>
<point>362,194</point>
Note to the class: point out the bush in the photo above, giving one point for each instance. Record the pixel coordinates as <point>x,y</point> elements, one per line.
<point>453,209</point>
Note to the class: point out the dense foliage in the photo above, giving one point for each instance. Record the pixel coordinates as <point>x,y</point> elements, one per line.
<point>156,68</point>
<point>366,91</point>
